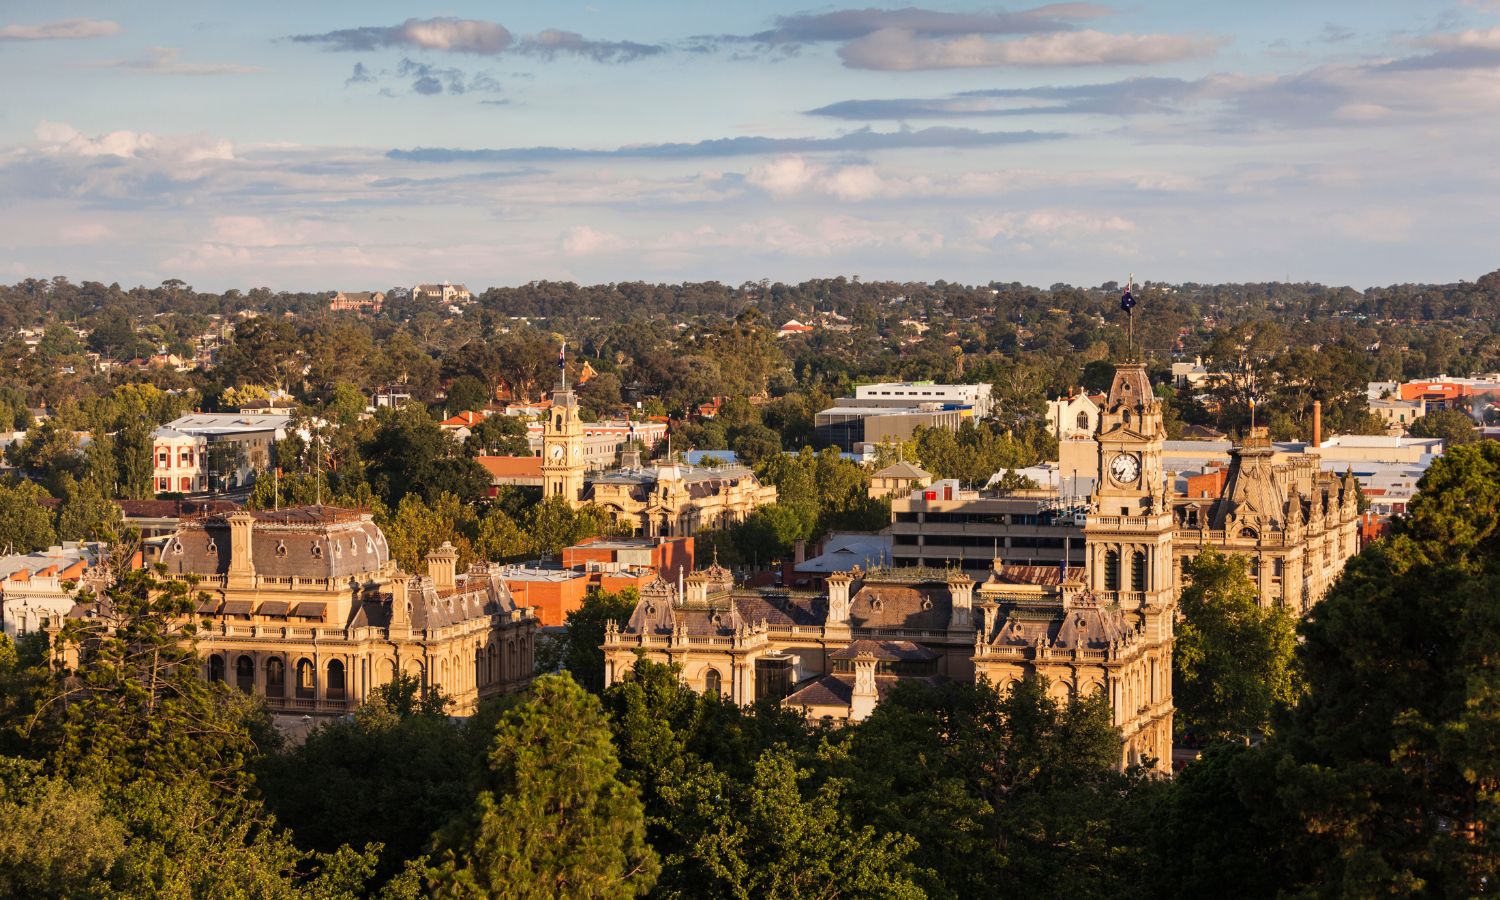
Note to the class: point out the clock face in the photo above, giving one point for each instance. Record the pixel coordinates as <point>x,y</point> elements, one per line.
<point>558,450</point>
<point>1125,468</point>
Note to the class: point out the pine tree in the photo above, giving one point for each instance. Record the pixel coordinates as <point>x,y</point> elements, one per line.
<point>553,820</point>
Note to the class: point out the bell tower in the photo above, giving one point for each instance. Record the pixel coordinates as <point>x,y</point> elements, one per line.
<point>1129,533</point>
<point>562,447</point>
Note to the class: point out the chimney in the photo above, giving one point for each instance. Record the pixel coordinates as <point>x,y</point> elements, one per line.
<point>441,564</point>
<point>400,621</point>
<point>241,559</point>
<point>961,590</point>
<point>838,599</point>
<point>800,552</point>
<point>862,702</point>
<point>1317,423</point>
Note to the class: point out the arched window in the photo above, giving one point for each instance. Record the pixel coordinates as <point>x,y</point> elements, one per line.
<point>1138,571</point>
<point>712,683</point>
<point>244,674</point>
<point>1112,571</point>
<point>275,677</point>
<point>1083,421</point>
<point>335,686</point>
<point>307,678</point>
<point>216,668</point>
<point>480,675</point>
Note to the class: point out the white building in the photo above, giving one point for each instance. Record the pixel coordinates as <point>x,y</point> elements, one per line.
<point>188,450</point>
<point>976,396</point>
<point>33,586</point>
<point>1073,418</point>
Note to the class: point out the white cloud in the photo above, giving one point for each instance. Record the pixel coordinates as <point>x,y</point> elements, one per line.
<point>581,240</point>
<point>65,30</point>
<point>895,49</point>
<point>458,35</point>
<point>1047,224</point>
<point>61,139</point>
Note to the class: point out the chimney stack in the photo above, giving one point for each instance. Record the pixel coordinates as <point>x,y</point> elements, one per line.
<point>1317,423</point>
<point>241,560</point>
<point>441,566</point>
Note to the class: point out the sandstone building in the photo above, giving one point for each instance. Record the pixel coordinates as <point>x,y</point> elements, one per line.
<point>653,499</point>
<point>307,609</point>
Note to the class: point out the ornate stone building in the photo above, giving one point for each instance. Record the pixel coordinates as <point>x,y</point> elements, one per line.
<point>1106,626</point>
<point>1296,524</point>
<point>307,609</point>
<point>653,499</point>
<point>835,655</point>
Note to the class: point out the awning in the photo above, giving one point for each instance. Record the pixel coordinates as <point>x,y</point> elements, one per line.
<point>208,607</point>
<point>274,608</point>
<point>309,611</point>
<point>238,607</point>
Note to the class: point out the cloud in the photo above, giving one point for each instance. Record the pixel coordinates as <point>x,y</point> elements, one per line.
<point>896,49</point>
<point>455,35</point>
<point>863,140</point>
<point>478,37</point>
<point>551,42</point>
<point>852,24</point>
<point>426,79</point>
<point>1131,96</point>
<point>582,240</point>
<point>163,61</point>
<point>65,30</point>
<point>59,139</point>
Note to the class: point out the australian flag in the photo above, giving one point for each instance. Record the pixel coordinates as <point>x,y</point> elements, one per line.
<point>1127,296</point>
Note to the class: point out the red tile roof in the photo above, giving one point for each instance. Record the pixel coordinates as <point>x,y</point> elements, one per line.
<point>511,466</point>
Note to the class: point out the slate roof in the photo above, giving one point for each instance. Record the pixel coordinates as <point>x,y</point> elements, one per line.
<point>890,651</point>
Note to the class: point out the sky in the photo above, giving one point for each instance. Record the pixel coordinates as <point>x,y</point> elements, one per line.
<point>357,146</point>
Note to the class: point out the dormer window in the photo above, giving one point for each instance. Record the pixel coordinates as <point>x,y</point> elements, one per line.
<point>281,549</point>
<point>177,548</point>
<point>317,551</point>
<point>213,546</point>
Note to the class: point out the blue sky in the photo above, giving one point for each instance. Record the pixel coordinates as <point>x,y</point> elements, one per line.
<point>360,145</point>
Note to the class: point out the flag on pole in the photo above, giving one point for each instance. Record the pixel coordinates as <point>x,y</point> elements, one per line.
<point>562,356</point>
<point>1127,297</point>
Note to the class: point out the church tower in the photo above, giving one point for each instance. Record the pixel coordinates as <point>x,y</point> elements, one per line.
<point>562,447</point>
<point>1129,535</point>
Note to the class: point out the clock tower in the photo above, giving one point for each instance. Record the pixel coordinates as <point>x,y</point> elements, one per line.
<point>1129,533</point>
<point>562,448</point>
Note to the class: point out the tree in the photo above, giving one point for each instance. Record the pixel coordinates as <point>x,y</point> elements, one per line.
<point>580,651</point>
<point>85,513</point>
<point>49,451</point>
<point>467,394</point>
<point>1002,789</point>
<point>134,704</point>
<point>500,538</point>
<point>552,818</point>
<point>56,840</point>
<point>782,834</point>
<point>498,436</point>
<point>408,453</point>
<point>416,528</point>
<point>25,524</point>
<point>134,465</point>
<point>1454,426</point>
<point>1232,662</point>
<point>391,776</point>
<point>1395,748</point>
